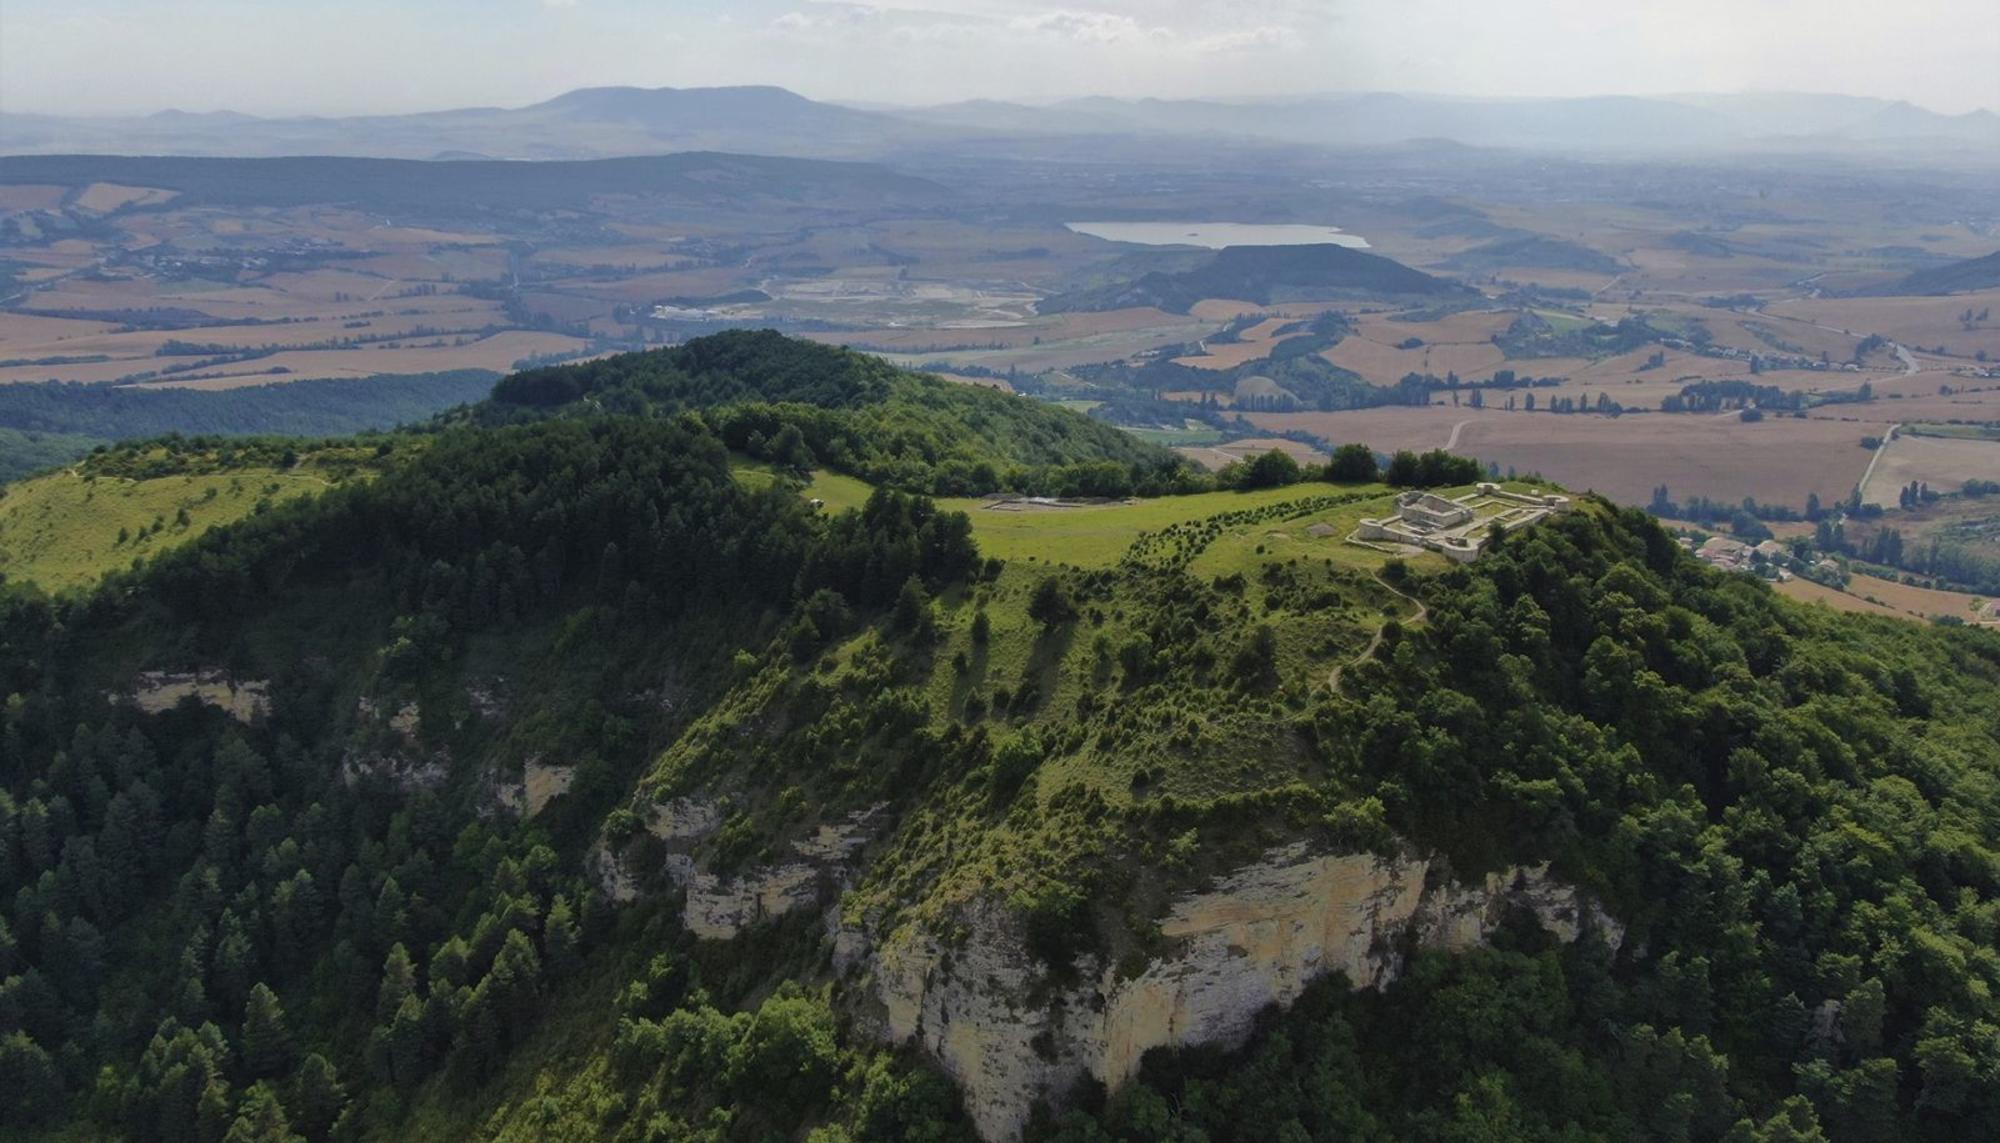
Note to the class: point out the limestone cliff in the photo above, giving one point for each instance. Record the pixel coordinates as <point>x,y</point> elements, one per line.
<point>719,907</point>
<point>245,700</point>
<point>1257,937</point>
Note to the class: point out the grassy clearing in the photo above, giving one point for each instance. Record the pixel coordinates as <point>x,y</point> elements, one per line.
<point>839,492</point>
<point>1096,537</point>
<point>1564,322</point>
<point>1174,437</point>
<point>66,529</point>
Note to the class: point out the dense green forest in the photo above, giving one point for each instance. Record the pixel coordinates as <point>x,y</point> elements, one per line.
<point>800,405</point>
<point>49,424</point>
<point>319,919</point>
<point>24,452</point>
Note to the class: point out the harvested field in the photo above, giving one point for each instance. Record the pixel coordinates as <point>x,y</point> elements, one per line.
<point>1879,596</point>
<point>1216,456</point>
<point>1384,364</point>
<point>1255,343</point>
<point>1964,404</point>
<point>1916,322</point>
<point>1778,460</point>
<point>1806,591</point>
<point>31,196</point>
<point>103,198</point>
<point>498,353</point>
<point>1943,463</point>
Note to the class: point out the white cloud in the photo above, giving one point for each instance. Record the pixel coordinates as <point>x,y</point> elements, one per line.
<point>103,56</point>
<point>1088,27</point>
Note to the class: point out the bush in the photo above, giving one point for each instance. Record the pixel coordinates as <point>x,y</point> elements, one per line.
<point>1353,464</point>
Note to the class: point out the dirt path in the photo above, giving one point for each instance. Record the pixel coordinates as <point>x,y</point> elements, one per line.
<point>1887,437</point>
<point>1333,677</point>
<point>1452,443</point>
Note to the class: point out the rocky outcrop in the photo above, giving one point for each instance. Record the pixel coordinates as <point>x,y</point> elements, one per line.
<point>720,907</point>
<point>1258,937</point>
<point>543,783</point>
<point>400,761</point>
<point>684,821</point>
<point>245,700</point>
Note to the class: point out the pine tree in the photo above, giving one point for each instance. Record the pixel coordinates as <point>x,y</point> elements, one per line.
<point>559,937</point>
<point>260,1118</point>
<point>399,979</point>
<point>267,1043</point>
<point>234,966</point>
<point>317,1096</point>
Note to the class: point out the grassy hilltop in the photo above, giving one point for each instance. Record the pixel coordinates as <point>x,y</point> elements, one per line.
<point>345,918</point>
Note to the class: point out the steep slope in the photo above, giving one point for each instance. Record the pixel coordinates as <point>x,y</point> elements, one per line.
<point>1263,274</point>
<point>559,782</point>
<point>64,530</point>
<point>1970,274</point>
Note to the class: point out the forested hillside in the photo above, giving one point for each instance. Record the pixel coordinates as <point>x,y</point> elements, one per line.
<point>45,425</point>
<point>801,404</point>
<point>558,781</point>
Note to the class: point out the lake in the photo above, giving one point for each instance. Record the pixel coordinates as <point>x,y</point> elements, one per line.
<point>1216,235</point>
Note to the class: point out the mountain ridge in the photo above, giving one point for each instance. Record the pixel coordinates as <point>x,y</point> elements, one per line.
<point>608,121</point>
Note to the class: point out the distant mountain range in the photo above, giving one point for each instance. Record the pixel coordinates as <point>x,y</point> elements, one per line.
<point>613,121</point>
<point>589,123</point>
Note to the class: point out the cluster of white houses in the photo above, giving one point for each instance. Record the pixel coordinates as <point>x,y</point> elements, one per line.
<point>1458,528</point>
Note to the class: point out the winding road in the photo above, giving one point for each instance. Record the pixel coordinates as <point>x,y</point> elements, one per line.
<point>1333,677</point>
<point>1452,443</point>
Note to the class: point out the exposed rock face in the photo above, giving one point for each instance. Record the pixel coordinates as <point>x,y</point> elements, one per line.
<point>1257,938</point>
<point>684,820</point>
<point>242,699</point>
<point>719,907</point>
<point>405,772</point>
<point>403,763</point>
<point>543,783</point>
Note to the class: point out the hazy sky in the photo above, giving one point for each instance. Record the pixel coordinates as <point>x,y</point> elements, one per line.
<point>283,56</point>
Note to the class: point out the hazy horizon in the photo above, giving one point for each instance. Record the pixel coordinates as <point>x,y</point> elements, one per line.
<point>1047,101</point>
<point>119,57</point>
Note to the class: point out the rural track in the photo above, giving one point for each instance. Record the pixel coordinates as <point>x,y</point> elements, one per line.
<point>1333,677</point>
<point>1452,441</point>
<point>1887,436</point>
